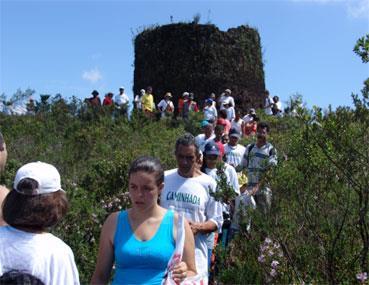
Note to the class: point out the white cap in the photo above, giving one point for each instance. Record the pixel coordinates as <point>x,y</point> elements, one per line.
<point>46,175</point>
<point>122,87</point>
<point>185,94</point>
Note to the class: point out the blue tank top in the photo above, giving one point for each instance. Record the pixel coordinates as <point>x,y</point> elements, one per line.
<point>142,262</point>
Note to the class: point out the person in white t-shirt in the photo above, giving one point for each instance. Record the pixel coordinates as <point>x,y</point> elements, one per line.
<point>215,167</point>
<point>268,103</point>
<point>233,151</point>
<point>36,203</point>
<point>166,106</point>
<point>237,123</point>
<point>226,98</point>
<point>210,111</point>
<point>206,136</point>
<point>121,101</point>
<point>188,191</point>
<point>137,101</point>
<point>231,114</point>
<point>277,107</point>
<point>248,118</point>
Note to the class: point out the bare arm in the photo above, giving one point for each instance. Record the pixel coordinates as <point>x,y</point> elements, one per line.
<point>204,228</point>
<point>105,258</point>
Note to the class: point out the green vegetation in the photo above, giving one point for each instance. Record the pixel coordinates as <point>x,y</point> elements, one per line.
<point>316,232</point>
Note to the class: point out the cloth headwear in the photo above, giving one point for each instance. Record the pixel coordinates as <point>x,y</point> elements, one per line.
<point>204,123</point>
<point>95,92</point>
<point>209,101</point>
<point>211,148</point>
<point>252,111</point>
<point>185,94</point>
<point>234,133</point>
<point>122,87</point>
<point>228,91</point>
<point>46,175</point>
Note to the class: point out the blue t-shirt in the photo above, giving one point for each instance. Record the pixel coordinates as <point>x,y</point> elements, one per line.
<point>142,262</point>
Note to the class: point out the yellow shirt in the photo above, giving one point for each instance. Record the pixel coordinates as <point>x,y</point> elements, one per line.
<point>147,102</point>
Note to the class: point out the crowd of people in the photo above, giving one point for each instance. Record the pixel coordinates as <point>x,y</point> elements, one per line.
<point>140,242</point>
<point>214,108</point>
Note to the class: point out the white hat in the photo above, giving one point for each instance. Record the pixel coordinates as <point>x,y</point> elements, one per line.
<point>122,87</point>
<point>46,175</point>
<point>185,94</point>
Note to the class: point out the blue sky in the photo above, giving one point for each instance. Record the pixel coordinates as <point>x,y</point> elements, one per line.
<point>72,47</point>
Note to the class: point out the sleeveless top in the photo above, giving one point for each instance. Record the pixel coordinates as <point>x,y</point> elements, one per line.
<point>142,262</point>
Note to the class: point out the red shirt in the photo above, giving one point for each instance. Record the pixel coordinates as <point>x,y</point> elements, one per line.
<point>108,101</point>
<point>227,125</point>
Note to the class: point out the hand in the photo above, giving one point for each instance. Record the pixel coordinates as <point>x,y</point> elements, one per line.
<point>195,227</point>
<point>179,272</point>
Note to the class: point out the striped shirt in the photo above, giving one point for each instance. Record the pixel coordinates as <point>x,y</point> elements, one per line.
<point>258,161</point>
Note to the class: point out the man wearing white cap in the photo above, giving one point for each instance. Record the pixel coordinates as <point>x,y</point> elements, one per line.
<point>121,102</point>
<point>226,98</point>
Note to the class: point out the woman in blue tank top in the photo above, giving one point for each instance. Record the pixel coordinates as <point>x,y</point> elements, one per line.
<point>140,241</point>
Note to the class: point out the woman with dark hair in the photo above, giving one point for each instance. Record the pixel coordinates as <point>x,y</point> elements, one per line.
<point>140,241</point>
<point>36,203</point>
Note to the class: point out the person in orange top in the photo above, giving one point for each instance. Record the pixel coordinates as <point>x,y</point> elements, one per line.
<point>249,128</point>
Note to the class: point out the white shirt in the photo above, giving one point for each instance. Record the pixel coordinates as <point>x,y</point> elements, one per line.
<point>230,173</point>
<point>247,118</point>
<point>237,125</point>
<point>210,113</point>
<point>242,202</point>
<point>42,255</point>
<point>163,104</point>
<point>234,154</point>
<point>268,106</point>
<point>201,140</point>
<point>191,197</point>
<point>230,113</point>
<point>121,99</point>
<point>225,99</point>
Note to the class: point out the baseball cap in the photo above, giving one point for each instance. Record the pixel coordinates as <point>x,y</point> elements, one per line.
<point>211,148</point>
<point>228,91</point>
<point>46,175</point>
<point>234,133</point>
<point>204,123</point>
<point>209,101</point>
<point>252,111</point>
<point>185,94</point>
<point>122,87</point>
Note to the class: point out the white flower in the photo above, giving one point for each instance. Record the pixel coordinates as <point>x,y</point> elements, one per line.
<point>261,258</point>
<point>274,264</point>
<point>362,276</point>
<point>273,272</point>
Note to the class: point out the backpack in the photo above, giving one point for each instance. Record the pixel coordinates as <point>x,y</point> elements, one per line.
<point>251,146</point>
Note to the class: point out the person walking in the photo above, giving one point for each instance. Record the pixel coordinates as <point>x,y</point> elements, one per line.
<point>188,190</point>
<point>140,241</point>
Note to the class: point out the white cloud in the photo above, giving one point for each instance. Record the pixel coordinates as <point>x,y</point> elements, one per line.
<point>92,75</point>
<point>358,9</point>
